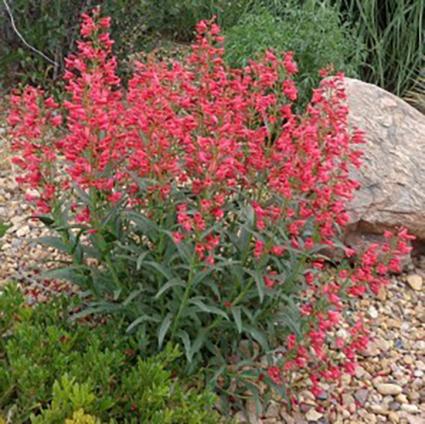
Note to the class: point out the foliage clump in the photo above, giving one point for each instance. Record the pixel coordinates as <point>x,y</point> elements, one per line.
<point>54,370</point>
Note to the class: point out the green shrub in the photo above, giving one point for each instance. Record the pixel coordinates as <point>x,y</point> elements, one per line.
<point>51,26</point>
<point>177,18</point>
<point>53,369</point>
<point>394,33</point>
<point>313,31</point>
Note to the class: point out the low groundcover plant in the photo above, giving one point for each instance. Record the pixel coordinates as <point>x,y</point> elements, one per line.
<point>198,204</point>
<point>55,371</point>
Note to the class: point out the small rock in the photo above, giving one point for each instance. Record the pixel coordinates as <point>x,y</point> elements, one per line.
<point>388,389</point>
<point>382,294</point>
<point>361,396</point>
<point>410,408</point>
<point>360,372</point>
<point>287,419</point>
<point>323,395</point>
<point>251,410</point>
<point>272,410</point>
<point>347,399</point>
<point>419,345</point>
<point>413,396</point>
<point>415,281</point>
<point>23,231</point>
<point>408,360</point>
<point>305,407</point>
<point>313,415</point>
<point>418,373</point>
<point>378,409</point>
<point>393,323</point>
<point>399,344</point>
<point>239,417</point>
<point>382,345</point>
<point>373,313</point>
<point>401,398</point>
<point>393,417</point>
<point>413,419</point>
<point>394,406</point>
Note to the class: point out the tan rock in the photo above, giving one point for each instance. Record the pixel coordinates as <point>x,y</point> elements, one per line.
<point>415,281</point>
<point>388,389</point>
<point>393,417</point>
<point>378,409</point>
<point>410,408</point>
<point>313,415</point>
<point>392,176</point>
<point>273,410</point>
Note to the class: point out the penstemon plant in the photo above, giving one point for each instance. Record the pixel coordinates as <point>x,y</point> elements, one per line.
<point>197,204</point>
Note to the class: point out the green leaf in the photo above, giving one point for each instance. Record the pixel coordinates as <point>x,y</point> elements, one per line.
<point>259,281</point>
<point>257,335</point>
<point>200,276</point>
<point>198,343</point>
<point>164,271</point>
<point>163,329</point>
<point>208,308</point>
<point>54,242</point>
<point>144,224</point>
<point>45,219</point>
<point>132,296</point>
<point>186,343</point>
<point>175,282</point>
<point>3,229</point>
<point>236,312</point>
<point>71,274</point>
<point>141,320</point>
<point>140,260</point>
<point>96,309</point>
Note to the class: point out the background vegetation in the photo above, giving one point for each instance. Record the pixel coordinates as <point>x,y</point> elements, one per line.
<point>380,42</point>
<point>55,370</point>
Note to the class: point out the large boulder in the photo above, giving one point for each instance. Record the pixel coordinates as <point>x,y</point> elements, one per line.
<point>392,177</point>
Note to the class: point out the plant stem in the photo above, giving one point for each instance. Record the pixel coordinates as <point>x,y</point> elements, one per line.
<point>185,296</point>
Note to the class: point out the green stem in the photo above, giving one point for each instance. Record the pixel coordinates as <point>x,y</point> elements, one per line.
<point>100,239</point>
<point>183,304</point>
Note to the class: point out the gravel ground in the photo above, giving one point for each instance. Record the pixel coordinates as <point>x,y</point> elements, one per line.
<point>389,386</point>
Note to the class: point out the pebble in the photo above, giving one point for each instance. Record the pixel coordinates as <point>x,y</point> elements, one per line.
<point>393,417</point>
<point>313,415</point>
<point>418,373</point>
<point>401,398</point>
<point>273,410</point>
<point>415,282</point>
<point>373,313</point>
<point>388,389</point>
<point>378,409</point>
<point>23,231</point>
<point>419,345</point>
<point>394,406</point>
<point>409,408</point>
<point>361,395</point>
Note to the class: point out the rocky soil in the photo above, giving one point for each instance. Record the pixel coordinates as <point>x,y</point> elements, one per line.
<point>389,386</point>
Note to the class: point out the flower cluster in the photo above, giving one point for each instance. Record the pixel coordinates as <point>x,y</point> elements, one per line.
<point>218,159</point>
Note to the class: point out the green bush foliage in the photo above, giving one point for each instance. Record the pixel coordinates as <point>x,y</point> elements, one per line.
<point>394,33</point>
<point>314,32</point>
<point>51,26</point>
<point>54,370</point>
